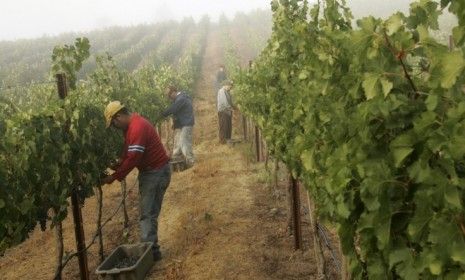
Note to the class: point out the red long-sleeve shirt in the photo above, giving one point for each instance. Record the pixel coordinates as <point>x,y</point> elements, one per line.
<point>142,148</point>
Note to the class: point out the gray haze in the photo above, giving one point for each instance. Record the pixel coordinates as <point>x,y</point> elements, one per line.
<point>34,18</point>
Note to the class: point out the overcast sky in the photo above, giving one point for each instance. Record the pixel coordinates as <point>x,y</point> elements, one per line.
<point>34,18</point>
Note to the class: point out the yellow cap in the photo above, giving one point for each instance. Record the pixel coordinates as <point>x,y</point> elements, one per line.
<point>111,109</point>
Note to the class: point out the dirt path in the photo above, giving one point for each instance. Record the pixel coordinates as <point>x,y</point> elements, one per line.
<point>219,219</point>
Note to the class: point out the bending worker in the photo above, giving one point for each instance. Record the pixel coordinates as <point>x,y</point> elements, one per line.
<point>144,150</point>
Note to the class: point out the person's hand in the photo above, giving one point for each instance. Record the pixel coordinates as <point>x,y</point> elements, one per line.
<point>115,165</point>
<point>107,180</point>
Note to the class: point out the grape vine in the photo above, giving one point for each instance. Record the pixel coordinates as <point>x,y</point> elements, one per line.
<point>50,146</point>
<point>372,119</point>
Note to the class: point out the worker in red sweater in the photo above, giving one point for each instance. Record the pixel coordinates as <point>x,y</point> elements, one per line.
<point>144,150</point>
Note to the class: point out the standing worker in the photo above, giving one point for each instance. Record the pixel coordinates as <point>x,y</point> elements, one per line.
<point>144,150</point>
<point>183,117</point>
<point>225,112</point>
<point>220,78</point>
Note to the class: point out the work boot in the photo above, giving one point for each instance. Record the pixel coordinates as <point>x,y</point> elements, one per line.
<point>157,256</point>
<point>189,164</point>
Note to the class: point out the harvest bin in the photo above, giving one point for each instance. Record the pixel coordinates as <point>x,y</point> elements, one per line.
<point>141,251</point>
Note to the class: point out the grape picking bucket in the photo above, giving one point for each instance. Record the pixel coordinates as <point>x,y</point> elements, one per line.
<point>140,254</point>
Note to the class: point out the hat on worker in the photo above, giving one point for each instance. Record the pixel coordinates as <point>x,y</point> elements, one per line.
<point>111,110</point>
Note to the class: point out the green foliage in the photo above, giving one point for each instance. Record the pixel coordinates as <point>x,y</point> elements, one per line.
<point>68,59</point>
<point>372,119</point>
<point>24,62</point>
<point>50,146</point>
<point>457,8</point>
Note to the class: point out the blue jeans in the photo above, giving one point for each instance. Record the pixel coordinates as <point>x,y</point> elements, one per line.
<point>152,187</point>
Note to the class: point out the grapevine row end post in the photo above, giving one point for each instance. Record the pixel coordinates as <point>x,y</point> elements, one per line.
<point>77,214</point>
<point>257,143</point>
<point>295,192</point>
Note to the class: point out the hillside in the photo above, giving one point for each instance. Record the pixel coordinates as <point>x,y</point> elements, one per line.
<point>28,60</point>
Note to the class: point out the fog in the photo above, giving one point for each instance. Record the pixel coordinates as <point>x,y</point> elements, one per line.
<point>35,18</point>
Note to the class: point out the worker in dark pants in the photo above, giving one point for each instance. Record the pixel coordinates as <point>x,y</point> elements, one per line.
<point>144,150</point>
<point>225,111</point>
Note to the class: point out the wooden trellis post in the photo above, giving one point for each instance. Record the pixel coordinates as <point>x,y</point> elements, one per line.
<point>76,208</point>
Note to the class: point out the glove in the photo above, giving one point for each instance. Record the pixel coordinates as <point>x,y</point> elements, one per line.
<point>108,180</point>
<point>115,164</point>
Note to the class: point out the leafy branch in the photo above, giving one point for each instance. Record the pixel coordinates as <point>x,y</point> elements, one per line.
<point>400,55</point>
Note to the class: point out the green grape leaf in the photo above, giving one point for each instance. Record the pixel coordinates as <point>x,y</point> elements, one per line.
<point>400,154</point>
<point>452,196</point>
<point>370,85</point>
<point>435,267</point>
<point>394,23</point>
<point>453,64</point>
<point>303,75</point>
<point>458,252</point>
<point>432,102</point>
<point>387,86</point>
<point>308,161</point>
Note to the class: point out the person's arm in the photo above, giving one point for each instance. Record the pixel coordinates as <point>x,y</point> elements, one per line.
<point>133,156</point>
<point>174,108</point>
<point>230,101</point>
<point>116,164</point>
<point>220,100</point>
